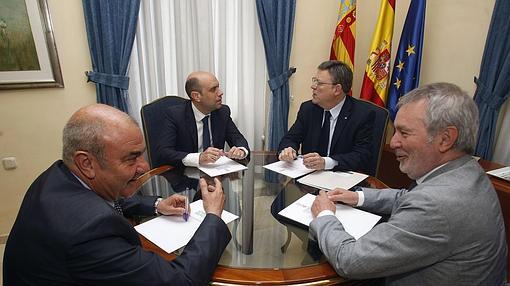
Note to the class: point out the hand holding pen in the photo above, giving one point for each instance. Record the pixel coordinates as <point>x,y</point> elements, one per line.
<point>210,155</point>
<point>185,215</point>
<point>173,205</point>
<point>287,154</point>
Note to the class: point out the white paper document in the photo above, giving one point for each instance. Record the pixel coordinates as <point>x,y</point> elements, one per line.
<point>173,232</point>
<point>329,180</point>
<point>292,169</point>
<point>356,222</point>
<point>223,165</point>
<point>503,173</point>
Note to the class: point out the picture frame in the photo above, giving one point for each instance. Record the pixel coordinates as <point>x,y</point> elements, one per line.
<point>29,57</point>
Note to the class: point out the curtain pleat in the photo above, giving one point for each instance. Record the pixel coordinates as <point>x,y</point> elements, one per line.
<point>276,20</point>
<point>493,85</point>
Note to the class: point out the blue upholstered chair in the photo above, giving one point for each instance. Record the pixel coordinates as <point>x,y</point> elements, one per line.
<point>152,114</point>
<point>379,133</point>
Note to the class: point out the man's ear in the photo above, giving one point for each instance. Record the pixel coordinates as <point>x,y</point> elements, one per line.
<point>195,95</point>
<point>83,162</point>
<point>448,137</point>
<point>339,89</point>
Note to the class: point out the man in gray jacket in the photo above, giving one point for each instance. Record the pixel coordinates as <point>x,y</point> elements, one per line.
<point>448,229</point>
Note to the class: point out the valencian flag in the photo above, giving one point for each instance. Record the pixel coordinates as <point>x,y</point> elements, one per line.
<point>344,40</point>
<point>406,70</point>
<point>375,81</point>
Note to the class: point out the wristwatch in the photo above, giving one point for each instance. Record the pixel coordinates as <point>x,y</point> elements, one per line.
<point>158,200</point>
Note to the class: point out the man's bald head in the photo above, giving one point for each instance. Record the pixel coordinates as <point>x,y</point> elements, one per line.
<point>87,128</point>
<point>196,80</point>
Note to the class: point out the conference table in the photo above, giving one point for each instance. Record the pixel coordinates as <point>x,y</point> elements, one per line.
<point>265,247</point>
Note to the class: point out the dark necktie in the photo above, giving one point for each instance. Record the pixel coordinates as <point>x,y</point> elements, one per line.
<point>118,208</point>
<point>324,137</point>
<point>412,185</point>
<point>206,138</point>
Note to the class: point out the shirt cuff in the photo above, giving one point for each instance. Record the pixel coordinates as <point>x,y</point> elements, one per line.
<point>245,152</point>
<point>191,160</point>
<point>325,213</point>
<point>158,200</point>
<point>329,163</point>
<point>361,198</point>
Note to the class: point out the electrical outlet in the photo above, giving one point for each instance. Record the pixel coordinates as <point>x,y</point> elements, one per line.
<point>9,163</point>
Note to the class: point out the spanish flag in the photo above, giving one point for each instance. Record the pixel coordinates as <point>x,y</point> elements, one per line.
<point>375,81</point>
<point>344,40</point>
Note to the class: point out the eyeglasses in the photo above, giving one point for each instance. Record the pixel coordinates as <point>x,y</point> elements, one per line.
<point>317,82</point>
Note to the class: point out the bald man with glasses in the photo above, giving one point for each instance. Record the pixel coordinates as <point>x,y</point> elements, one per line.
<point>334,131</point>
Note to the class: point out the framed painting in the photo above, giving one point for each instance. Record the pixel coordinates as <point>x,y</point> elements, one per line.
<point>28,54</point>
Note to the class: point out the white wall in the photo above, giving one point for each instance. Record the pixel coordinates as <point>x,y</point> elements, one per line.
<point>31,120</point>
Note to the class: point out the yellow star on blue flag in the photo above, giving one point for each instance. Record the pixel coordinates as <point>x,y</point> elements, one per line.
<point>406,74</point>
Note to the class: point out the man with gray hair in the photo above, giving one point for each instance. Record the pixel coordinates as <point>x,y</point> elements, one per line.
<point>446,230</point>
<point>333,130</point>
<point>69,230</point>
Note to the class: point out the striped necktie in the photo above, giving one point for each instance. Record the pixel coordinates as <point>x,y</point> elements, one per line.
<point>118,208</point>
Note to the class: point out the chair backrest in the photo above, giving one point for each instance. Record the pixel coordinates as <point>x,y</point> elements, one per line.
<point>152,114</point>
<point>379,133</point>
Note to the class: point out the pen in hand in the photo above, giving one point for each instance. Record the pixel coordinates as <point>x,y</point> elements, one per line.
<point>185,215</point>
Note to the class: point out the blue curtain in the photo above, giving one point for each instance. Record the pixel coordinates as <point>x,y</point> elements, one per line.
<point>111,27</point>
<point>493,85</point>
<point>276,20</point>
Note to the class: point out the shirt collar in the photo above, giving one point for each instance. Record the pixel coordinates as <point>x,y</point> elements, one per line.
<point>82,182</point>
<point>197,113</point>
<point>88,188</point>
<point>335,111</point>
<point>422,178</point>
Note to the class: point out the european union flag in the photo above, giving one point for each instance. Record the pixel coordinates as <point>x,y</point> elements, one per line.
<point>406,70</point>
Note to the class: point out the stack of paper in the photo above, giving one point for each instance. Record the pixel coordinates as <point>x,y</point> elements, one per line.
<point>328,180</point>
<point>503,173</point>
<point>223,165</point>
<point>173,232</point>
<point>292,169</point>
<point>355,222</point>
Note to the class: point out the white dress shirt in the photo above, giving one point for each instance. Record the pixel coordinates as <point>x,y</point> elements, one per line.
<point>193,159</point>
<point>335,112</point>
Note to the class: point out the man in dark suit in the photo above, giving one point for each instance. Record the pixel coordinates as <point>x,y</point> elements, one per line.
<point>333,130</point>
<point>70,231</point>
<point>195,133</point>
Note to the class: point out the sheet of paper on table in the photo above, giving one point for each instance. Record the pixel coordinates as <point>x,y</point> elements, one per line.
<point>223,165</point>
<point>503,173</point>
<point>292,169</point>
<point>172,232</point>
<point>329,180</point>
<point>356,222</point>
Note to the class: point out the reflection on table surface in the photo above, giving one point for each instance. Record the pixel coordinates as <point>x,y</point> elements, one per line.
<point>261,239</point>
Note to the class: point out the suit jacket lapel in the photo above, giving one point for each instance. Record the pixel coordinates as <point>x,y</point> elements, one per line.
<point>342,119</point>
<point>191,125</point>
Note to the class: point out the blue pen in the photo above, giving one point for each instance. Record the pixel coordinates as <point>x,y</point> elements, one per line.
<point>185,215</point>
